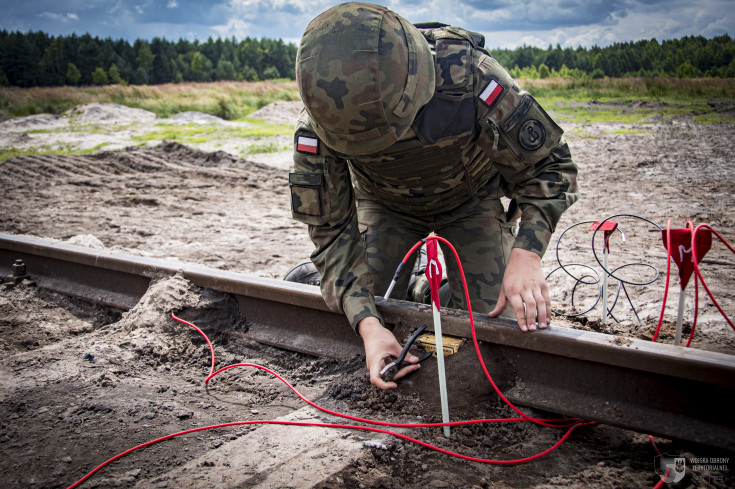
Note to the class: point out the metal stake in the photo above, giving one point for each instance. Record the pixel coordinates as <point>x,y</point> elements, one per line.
<point>680,317</point>
<point>434,274</point>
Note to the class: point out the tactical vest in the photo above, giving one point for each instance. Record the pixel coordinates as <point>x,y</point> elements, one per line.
<point>437,166</point>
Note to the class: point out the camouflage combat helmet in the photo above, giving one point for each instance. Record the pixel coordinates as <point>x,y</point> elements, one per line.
<point>363,73</point>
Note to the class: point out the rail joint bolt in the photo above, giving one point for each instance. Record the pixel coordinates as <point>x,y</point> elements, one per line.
<point>18,274</point>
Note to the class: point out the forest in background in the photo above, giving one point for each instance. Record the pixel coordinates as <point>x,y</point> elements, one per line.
<point>38,59</point>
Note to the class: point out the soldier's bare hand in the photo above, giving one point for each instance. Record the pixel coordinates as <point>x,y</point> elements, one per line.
<point>380,344</point>
<point>525,288</point>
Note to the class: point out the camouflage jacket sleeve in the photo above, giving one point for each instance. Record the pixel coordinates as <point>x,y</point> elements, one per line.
<point>322,197</point>
<point>526,147</point>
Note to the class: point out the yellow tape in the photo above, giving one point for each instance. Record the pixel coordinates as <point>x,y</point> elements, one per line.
<point>450,343</point>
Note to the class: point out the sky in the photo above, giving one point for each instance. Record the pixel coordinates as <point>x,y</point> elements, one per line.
<point>505,23</point>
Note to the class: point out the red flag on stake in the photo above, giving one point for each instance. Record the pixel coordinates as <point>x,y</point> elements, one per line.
<point>608,227</point>
<point>434,274</point>
<point>433,271</point>
<point>681,250</point>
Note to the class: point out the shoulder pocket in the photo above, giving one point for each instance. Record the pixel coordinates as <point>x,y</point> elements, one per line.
<point>515,127</point>
<point>527,130</point>
<point>530,131</point>
<point>453,64</point>
<point>308,203</point>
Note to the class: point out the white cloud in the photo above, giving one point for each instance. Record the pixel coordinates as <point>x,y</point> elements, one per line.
<point>279,4</point>
<point>234,27</point>
<point>632,20</point>
<point>69,16</point>
<point>505,23</point>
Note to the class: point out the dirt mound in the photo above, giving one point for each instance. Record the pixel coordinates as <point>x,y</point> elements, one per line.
<point>109,114</point>
<point>31,122</point>
<point>279,112</point>
<point>176,152</point>
<point>191,117</point>
<point>86,240</point>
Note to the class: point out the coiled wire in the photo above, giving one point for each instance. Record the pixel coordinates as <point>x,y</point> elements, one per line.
<point>593,277</point>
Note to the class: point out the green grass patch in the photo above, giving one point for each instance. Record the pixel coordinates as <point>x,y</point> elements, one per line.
<point>592,132</point>
<point>646,89</point>
<point>628,131</point>
<point>635,100</point>
<point>94,128</point>
<point>66,149</point>
<point>715,118</point>
<point>633,111</point>
<point>228,100</point>
<point>197,133</point>
<point>265,148</point>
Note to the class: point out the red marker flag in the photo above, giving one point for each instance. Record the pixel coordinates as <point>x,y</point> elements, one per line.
<point>608,227</point>
<point>433,271</point>
<point>681,250</point>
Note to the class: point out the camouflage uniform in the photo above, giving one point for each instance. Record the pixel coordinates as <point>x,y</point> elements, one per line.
<point>371,182</point>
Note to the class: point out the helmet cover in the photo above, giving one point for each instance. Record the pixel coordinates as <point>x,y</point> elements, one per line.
<point>363,73</point>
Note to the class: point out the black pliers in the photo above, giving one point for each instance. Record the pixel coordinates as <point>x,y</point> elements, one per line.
<point>392,368</point>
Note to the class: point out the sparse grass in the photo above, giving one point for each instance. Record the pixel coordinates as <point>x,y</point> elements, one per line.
<point>635,113</point>
<point>628,131</point>
<point>229,100</point>
<point>646,89</point>
<point>624,100</point>
<point>265,148</point>
<point>64,149</point>
<point>592,131</point>
<point>634,100</point>
<point>715,118</point>
<point>198,133</point>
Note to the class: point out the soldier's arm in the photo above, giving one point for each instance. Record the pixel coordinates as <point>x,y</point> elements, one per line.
<point>322,198</point>
<point>544,191</point>
<point>526,147</point>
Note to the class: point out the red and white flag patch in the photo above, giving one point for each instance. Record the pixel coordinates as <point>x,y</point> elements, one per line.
<point>491,93</point>
<point>306,144</point>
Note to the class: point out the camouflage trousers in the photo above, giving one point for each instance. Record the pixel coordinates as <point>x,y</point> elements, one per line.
<point>477,229</point>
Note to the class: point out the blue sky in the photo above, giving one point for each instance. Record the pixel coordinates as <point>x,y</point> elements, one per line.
<point>505,23</point>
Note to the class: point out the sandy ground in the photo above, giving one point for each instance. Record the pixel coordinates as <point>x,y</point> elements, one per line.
<point>81,383</point>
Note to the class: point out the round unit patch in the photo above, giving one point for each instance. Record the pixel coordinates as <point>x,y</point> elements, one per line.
<point>532,135</point>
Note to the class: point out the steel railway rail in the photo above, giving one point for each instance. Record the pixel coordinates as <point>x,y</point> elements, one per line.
<point>653,388</point>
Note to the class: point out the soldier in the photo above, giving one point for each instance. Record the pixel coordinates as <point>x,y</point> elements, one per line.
<point>409,130</point>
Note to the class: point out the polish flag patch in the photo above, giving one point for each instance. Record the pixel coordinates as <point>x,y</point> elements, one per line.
<point>308,145</point>
<point>491,93</point>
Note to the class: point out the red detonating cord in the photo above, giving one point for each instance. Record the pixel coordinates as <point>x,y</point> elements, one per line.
<point>663,479</point>
<point>699,273</point>
<point>570,428</point>
<point>569,424</point>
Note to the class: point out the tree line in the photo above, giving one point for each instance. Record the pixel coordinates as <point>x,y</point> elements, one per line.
<point>38,59</point>
<point>688,57</point>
